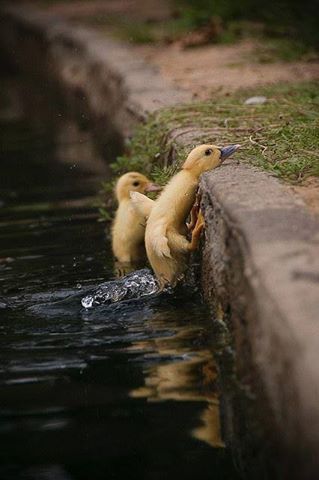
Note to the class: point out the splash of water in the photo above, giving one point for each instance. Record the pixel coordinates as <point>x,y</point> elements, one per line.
<point>135,285</point>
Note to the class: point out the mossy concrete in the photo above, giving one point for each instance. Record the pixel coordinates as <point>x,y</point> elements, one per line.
<point>261,248</point>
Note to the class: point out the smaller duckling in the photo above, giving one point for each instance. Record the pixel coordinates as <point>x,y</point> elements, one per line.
<point>166,240</point>
<point>129,224</point>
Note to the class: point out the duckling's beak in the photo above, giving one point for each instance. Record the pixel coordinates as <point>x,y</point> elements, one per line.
<point>152,187</point>
<point>228,151</point>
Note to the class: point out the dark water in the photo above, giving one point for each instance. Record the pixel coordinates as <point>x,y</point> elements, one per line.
<point>127,391</point>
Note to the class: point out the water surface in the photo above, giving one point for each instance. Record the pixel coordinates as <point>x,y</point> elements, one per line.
<point>124,391</point>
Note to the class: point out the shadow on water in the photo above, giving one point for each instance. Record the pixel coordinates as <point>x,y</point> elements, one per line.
<point>127,390</point>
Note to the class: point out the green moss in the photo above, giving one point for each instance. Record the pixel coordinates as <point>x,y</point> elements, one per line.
<point>280,136</point>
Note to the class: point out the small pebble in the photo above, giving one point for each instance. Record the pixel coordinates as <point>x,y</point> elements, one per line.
<point>255,100</point>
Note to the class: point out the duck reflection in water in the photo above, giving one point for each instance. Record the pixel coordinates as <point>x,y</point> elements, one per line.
<point>188,376</point>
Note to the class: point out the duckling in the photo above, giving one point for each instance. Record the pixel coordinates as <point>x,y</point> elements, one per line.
<point>129,225</point>
<point>166,242</point>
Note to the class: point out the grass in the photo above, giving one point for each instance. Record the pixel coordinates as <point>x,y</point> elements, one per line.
<point>280,136</point>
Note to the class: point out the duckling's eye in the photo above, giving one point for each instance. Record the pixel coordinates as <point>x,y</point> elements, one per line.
<point>136,184</point>
<point>208,151</point>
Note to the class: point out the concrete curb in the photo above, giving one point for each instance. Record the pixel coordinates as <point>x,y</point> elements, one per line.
<point>261,255</point>
<point>261,264</point>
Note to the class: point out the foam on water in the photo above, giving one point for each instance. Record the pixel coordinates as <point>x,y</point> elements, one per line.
<point>135,285</point>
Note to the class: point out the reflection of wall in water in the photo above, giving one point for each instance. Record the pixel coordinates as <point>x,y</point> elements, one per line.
<point>75,146</point>
<point>72,140</point>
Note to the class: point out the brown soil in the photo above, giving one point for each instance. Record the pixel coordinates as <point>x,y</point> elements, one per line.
<point>219,68</point>
<point>309,192</point>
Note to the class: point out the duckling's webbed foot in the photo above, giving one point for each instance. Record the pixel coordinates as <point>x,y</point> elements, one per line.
<point>124,268</point>
<point>194,213</point>
<point>196,233</point>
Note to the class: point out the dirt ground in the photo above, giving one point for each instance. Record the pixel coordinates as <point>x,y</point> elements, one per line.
<point>209,69</point>
<point>206,70</point>
<point>309,193</point>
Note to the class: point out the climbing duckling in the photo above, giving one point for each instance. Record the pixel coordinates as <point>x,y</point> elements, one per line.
<point>166,240</point>
<point>129,224</point>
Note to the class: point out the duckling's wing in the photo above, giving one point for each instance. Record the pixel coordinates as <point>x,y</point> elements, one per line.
<point>142,204</point>
<point>159,240</point>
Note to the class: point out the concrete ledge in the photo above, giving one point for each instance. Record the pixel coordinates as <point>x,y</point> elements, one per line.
<point>261,268</point>
<point>261,254</point>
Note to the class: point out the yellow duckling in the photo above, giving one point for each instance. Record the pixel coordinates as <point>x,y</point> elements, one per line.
<point>129,224</point>
<point>166,243</point>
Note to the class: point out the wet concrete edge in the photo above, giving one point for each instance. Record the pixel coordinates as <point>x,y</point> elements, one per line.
<point>261,254</point>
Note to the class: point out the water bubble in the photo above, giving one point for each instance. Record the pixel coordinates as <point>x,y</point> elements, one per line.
<point>87,302</point>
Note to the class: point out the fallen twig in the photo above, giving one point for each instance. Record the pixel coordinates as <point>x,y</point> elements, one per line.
<point>263,147</point>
